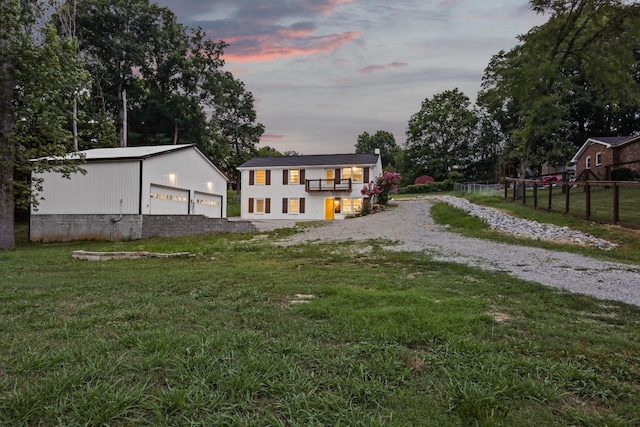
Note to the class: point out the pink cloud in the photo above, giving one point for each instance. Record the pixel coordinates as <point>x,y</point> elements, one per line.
<point>271,137</point>
<point>286,43</point>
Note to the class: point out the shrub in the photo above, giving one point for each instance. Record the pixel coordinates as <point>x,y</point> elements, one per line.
<point>432,187</point>
<point>387,183</point>
<point>622,174</point>
<point>424,179</point>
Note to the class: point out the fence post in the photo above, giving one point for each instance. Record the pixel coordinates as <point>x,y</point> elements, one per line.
<point>616,203</point>
<point>587,189</point>
<point>524,192</point>
<point>535,195</point>
<point>567,188</point>
<point>506,188</point>
<point>550,197</point>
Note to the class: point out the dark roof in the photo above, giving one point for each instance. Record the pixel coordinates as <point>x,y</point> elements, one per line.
<point>314,160</point>
<point>607,141</point>
<point>612,140</point>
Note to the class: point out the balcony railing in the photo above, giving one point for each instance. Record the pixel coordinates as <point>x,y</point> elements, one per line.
<point>318,185</point>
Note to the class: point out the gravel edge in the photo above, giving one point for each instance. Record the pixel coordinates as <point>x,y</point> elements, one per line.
<point>409,224</point>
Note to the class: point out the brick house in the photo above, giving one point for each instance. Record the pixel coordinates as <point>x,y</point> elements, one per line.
<point>600,155</point>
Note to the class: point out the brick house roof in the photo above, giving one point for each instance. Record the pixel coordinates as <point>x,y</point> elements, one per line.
<point>606,141</point>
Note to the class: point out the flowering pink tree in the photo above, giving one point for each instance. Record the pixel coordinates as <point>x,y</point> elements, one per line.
<point>387,183</point>
<point>369,191</point>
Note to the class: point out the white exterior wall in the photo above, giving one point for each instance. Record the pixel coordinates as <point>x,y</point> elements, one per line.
<point>106,182</point>
<point>314,201</point>
<point>184,169</point>
<point>99,191</point>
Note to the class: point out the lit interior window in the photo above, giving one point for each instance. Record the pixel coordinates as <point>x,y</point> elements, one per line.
<point>260,177</point>
<point>294,206</point>
<point>294,176</point>
<point>357,205</point>
<point>357,174</point>
<point>259,205</point>
<point>346,173</point>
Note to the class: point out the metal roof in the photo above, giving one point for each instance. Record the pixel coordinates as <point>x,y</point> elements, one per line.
<point>312,160</point>
<point>121,153</point>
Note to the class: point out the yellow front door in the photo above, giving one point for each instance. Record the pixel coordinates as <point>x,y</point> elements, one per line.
<point>328,209</point>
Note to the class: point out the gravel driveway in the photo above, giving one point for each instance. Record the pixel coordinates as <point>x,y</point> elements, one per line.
<point>411,225</point>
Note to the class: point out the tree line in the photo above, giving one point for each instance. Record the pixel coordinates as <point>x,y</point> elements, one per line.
<point>574,77</point>
<point>77,75</point>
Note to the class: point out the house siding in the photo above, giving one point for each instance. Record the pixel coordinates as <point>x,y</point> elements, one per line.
<point>627,155</point>
<point>280,191</point>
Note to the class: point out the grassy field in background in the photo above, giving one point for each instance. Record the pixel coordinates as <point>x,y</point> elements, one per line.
<point>233,205</point>
<point>601,202</point>
<point>628,240</point>
<point>245,333</point>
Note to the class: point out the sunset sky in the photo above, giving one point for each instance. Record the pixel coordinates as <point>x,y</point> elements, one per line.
<point>324,71</point>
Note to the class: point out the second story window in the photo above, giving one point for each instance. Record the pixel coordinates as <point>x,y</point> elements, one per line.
<point>354,173</point>
<point>598,159</point>
<point>260,177</point>
<point>294,176</point>
<point>588,162</point>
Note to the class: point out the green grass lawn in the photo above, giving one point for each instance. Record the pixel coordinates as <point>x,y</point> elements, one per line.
<point>601,202</point>
<point>233,205</point>
<point>244,333</point>
<point>628,240</point>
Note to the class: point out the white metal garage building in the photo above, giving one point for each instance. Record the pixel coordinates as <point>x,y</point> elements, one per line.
<point>125,185</point>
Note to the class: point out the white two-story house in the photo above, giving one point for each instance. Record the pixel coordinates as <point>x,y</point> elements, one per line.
<point>316,187</point>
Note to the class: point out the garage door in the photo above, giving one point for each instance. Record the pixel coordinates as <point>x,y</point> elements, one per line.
<point>207,204</point>
<point>168,201</point>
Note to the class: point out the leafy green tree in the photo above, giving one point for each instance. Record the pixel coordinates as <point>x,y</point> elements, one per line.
<point>383,140</point>
<point>234,118</point>
<point>440,136</point>
<point>117,38</point>
<point>40,76</point>
<point>573,77</point>
<point>267,151</point>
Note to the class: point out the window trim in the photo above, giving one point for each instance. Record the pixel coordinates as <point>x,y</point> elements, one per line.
<point>294,205</point>
<point>587,162</point>
<point>292,173</point>
<point>258,211</point>
<point>599,158</point>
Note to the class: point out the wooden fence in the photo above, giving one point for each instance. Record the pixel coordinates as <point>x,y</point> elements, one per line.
<point>614,202</point>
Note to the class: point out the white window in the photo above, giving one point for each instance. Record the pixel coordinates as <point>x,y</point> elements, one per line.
<point>355,174</point>
<point>259,206</point>
<point>294,176</point>
<point>351,206</point>
<point>329,173</point>
<point>260,177</point>
<point>294,206</point>
<point>588,162</point>
<point>598,159</point>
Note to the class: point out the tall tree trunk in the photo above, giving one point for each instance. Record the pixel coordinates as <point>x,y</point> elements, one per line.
<point>175,132</point>
<point>75,125</point>
<point>7,152</point>
<point>524,165</point>
<point>123,118</point>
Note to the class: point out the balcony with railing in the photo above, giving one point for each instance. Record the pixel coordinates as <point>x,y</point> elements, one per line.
<point>324,185</point>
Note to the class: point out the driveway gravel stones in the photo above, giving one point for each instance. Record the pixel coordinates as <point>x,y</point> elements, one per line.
<point>411,227</point>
